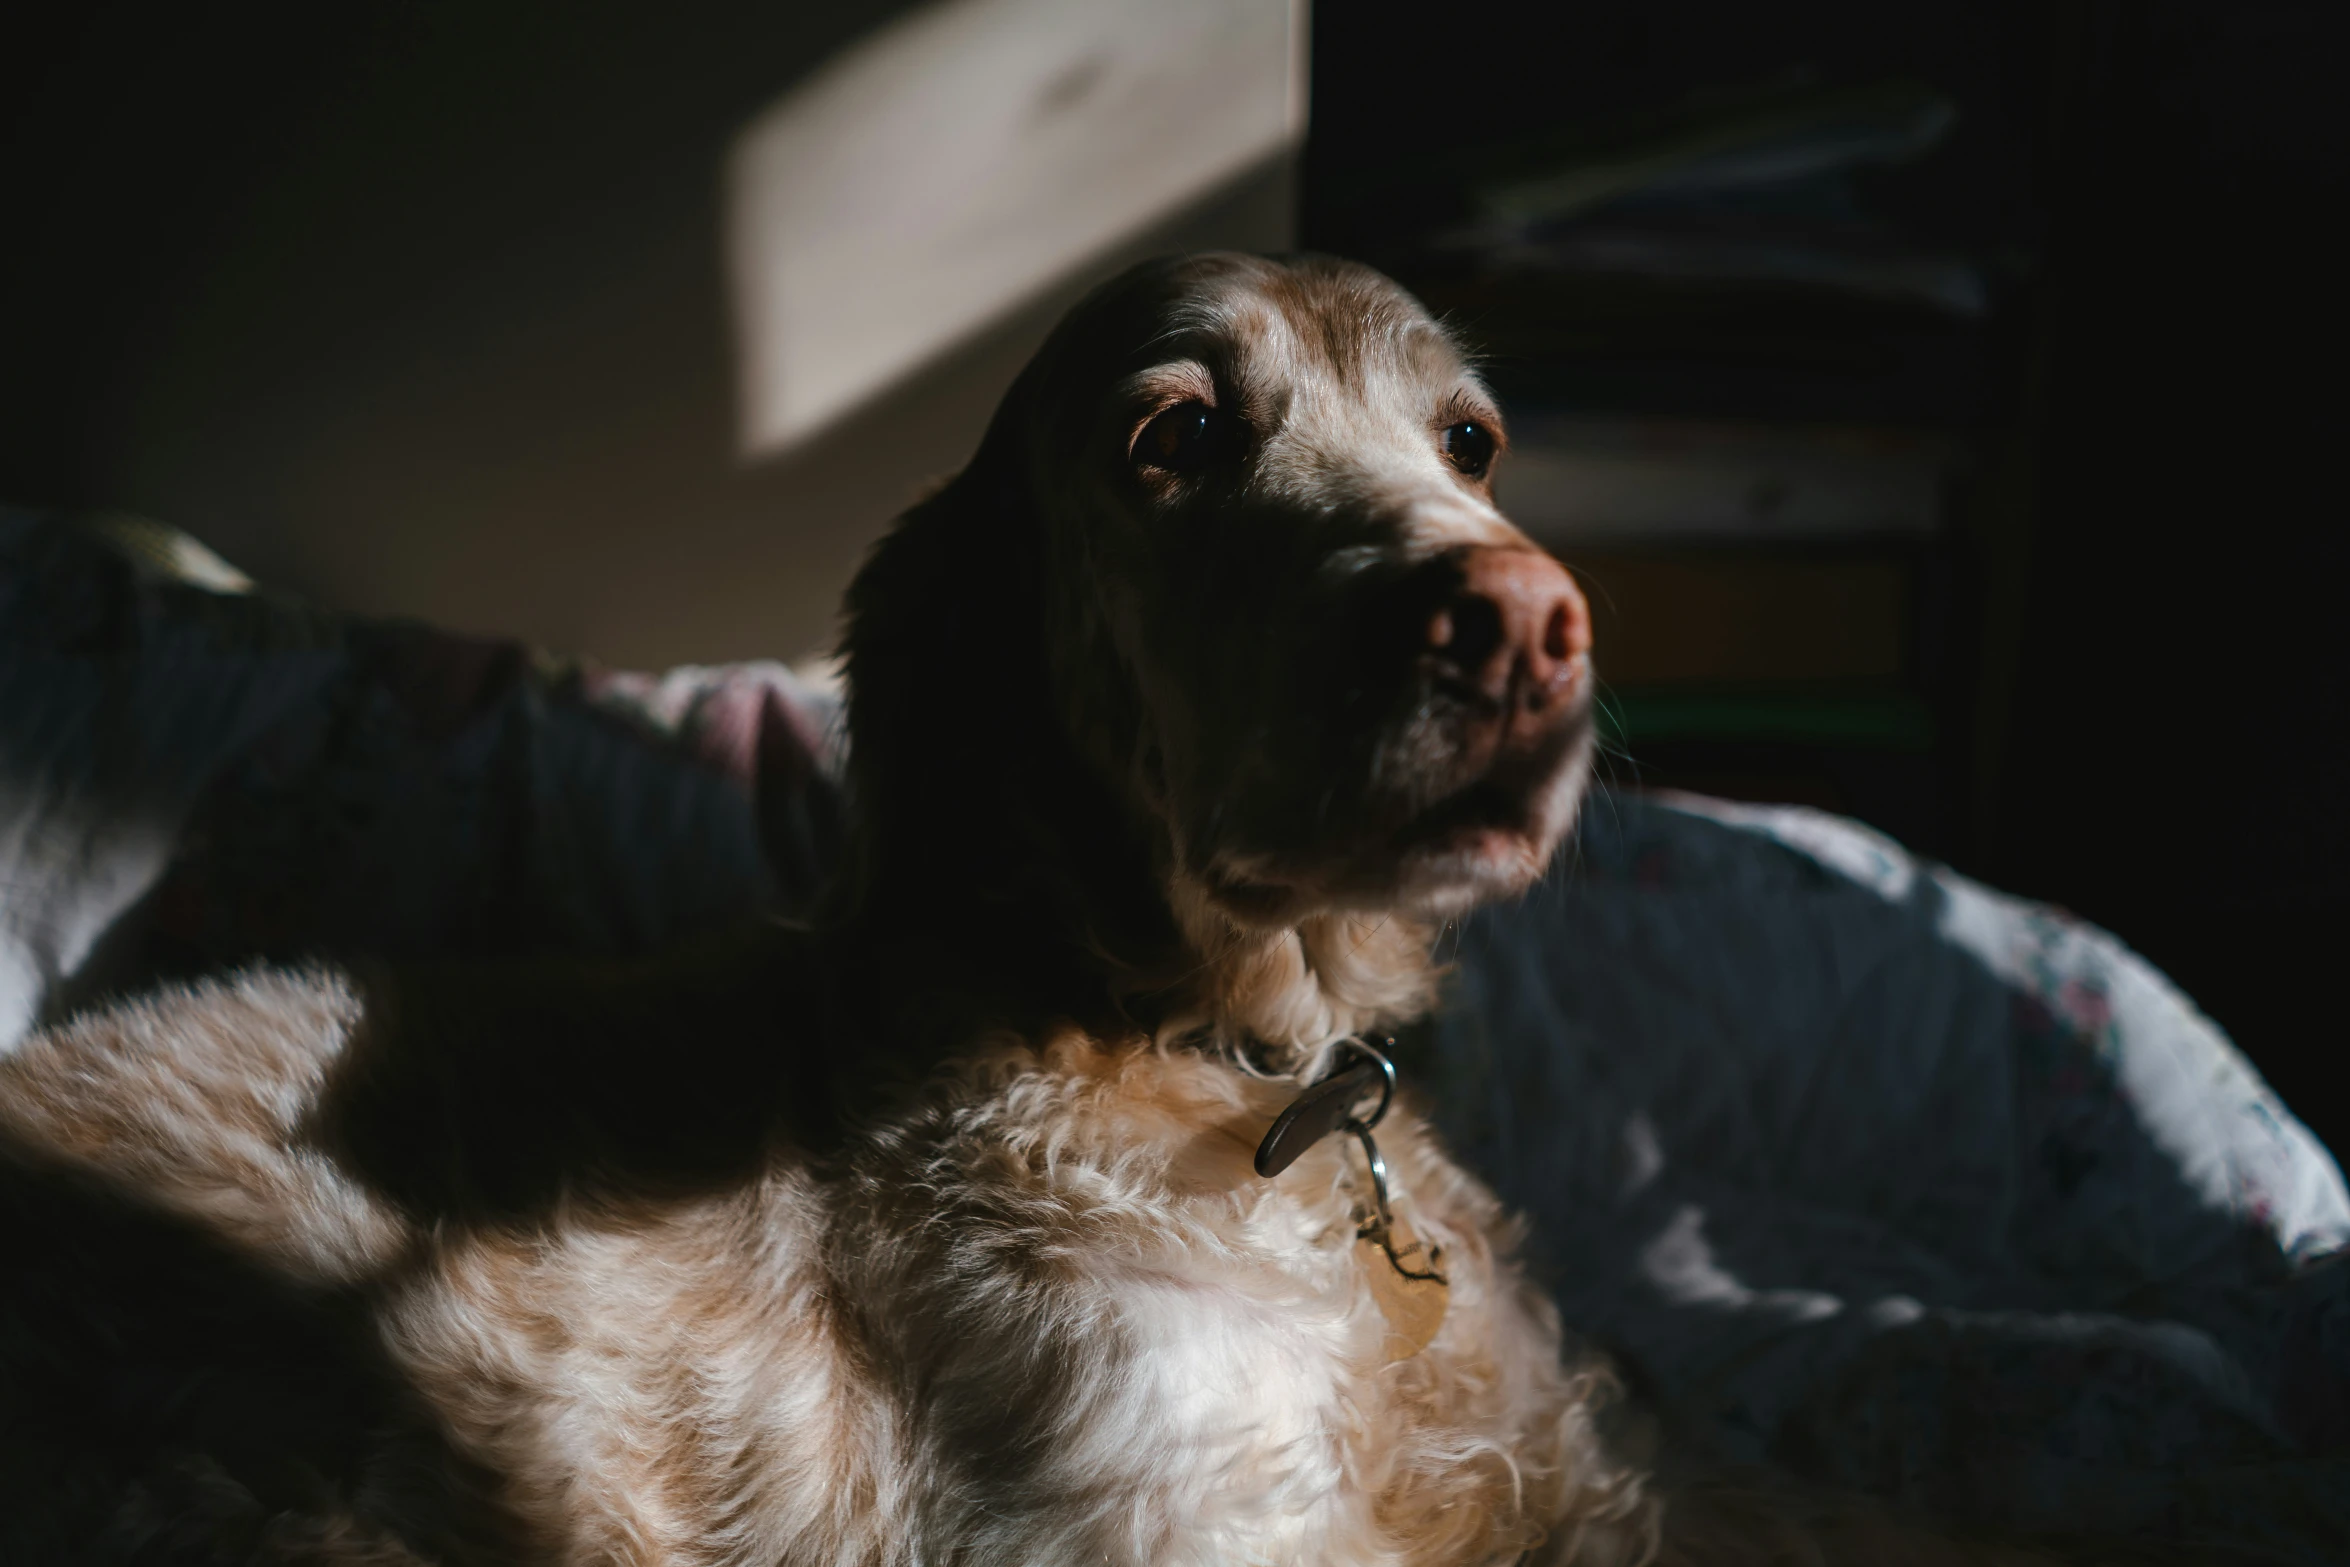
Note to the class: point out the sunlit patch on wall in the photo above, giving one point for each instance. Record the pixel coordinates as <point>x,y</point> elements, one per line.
<point>948,168</point>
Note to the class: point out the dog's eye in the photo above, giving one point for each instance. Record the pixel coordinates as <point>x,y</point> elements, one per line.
<point>1188,438</point>
<point>1468,446</point>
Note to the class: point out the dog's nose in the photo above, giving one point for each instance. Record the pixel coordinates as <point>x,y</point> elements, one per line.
<point>1515,628</point>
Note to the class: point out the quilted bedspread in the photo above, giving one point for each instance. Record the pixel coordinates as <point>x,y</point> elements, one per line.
<point>1859,1167</point>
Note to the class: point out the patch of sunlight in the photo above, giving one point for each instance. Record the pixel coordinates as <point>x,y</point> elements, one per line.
<point>954,165</point>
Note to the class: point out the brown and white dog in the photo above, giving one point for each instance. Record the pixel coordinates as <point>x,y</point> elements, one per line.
<point>934,1234</point>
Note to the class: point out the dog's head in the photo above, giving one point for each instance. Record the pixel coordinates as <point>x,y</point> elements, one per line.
<point>1236,520</point>
<point>1290,616</point>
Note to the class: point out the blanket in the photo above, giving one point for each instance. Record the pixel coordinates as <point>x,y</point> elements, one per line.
<point>1858,1167</point>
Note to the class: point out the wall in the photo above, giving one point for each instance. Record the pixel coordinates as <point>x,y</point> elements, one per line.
<point>420,311</point>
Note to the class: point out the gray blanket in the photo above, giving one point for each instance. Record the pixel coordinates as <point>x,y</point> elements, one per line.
<point>1860,1167</point>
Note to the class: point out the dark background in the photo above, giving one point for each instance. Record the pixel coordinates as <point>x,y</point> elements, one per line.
<point>2142,670</point>
<point>240,248</point>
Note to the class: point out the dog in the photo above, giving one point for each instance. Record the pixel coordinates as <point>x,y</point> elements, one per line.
<point>1047,1200</point>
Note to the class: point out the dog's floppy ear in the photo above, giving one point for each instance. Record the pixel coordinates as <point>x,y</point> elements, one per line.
<point>982,835</point>
<point>948,696</point>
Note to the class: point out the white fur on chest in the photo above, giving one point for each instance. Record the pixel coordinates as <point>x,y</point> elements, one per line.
<point>1115,1320</point>
<point>1051,1316</point>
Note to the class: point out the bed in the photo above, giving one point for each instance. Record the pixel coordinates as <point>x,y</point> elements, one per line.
<point>1860,1168</point>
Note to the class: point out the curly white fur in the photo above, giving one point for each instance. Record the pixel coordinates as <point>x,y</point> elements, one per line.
<point>1049,1313</point>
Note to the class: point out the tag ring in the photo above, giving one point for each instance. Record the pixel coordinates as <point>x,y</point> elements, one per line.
<point>1361,1125</point>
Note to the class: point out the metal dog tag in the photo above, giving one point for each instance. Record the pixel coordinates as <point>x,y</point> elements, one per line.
<point>1405,1285</point>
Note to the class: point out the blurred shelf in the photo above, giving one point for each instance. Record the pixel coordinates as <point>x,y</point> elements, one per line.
<point>1579,482</point>
<point>1719,619</point>
<point>1684,349</point>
